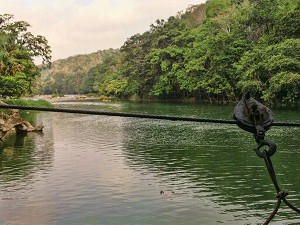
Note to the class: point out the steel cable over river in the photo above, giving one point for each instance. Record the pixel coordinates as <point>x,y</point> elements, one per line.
<point>249,115</point>
<point>136,115</point>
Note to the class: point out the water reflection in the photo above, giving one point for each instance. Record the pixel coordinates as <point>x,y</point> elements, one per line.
<point>25,160</point>
<point>111,170</point>
<point>214,162</point>
<point>23,155</point>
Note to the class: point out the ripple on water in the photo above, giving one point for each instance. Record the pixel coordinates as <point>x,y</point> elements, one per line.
<point>86,169</point>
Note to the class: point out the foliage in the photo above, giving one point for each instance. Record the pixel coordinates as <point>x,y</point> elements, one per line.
<point>17,49</point>
<point>273,71</point>
<point>74,75</point>
<point>209,52</point>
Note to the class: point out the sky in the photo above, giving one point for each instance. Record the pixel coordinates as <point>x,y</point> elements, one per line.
<point>84,26</point>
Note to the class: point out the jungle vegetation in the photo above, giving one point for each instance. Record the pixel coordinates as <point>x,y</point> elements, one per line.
<point>209,52</point>
<point>18,47</point>
<point>72,75</point>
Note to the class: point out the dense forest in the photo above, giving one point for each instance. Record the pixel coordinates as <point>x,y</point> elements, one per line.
<point>72,75</point>
<point>18,48</point>
<point>208,52</point>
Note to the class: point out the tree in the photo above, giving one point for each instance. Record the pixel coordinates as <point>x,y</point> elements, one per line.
<point>287,24</point>
<point>18,47</point>
<point>105,75</point>
<point>166,57</point>
<point>272,72</point>
<point>209,52</point>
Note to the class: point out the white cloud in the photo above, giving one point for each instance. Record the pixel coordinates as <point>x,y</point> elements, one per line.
<point>84,26</point>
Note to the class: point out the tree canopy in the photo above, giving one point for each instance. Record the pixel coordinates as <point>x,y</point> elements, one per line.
<point>209,52</point>
<point>18,47</point>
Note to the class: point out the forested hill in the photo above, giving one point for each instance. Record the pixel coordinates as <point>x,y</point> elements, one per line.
<point>209,52</point>
<point>70,75</point>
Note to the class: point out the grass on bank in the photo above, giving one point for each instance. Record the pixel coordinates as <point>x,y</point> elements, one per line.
<point>34,103</point>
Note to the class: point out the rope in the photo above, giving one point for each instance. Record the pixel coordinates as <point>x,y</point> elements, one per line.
<point>281,195</point>
<point>291,206</point>
<point>135,115</point>
<point>271,216</point>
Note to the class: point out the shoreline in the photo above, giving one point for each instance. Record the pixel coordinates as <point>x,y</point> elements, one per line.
<point>50,98</point>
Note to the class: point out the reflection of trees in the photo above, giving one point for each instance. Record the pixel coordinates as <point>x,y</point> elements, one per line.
<point>208,160</point>
<point>21,156</point>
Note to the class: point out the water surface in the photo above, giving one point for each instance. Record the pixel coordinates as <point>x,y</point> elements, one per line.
<point>87,169</point>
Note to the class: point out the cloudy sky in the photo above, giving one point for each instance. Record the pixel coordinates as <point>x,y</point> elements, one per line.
<point>84,26</point>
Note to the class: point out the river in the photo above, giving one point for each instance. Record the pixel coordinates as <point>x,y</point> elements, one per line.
<point>86,169</point>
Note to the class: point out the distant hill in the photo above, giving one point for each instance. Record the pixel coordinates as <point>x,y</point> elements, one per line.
<point>66,76</point>
<point>77,63</point>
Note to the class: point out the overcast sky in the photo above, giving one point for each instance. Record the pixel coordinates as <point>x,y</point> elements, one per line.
<point>85,26</point>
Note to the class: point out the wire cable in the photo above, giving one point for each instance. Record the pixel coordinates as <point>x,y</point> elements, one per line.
<point>136,115</point>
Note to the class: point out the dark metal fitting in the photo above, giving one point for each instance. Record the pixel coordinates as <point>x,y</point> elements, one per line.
<point>269,152</point>
<point>253,116</point>
<point>260,134</point>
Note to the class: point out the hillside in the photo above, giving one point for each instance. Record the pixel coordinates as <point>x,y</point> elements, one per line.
<point>77,63</point>
<point>209,52</point>
<point>67,76</point>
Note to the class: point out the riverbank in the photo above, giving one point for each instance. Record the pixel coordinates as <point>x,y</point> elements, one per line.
<point>28,102</point>
<point>47,100</point>
<point>55,98</point>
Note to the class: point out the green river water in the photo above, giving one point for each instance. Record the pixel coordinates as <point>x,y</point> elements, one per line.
<point>87,169</point>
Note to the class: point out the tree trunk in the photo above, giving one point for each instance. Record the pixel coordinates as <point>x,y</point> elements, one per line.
<point>15,122</point>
